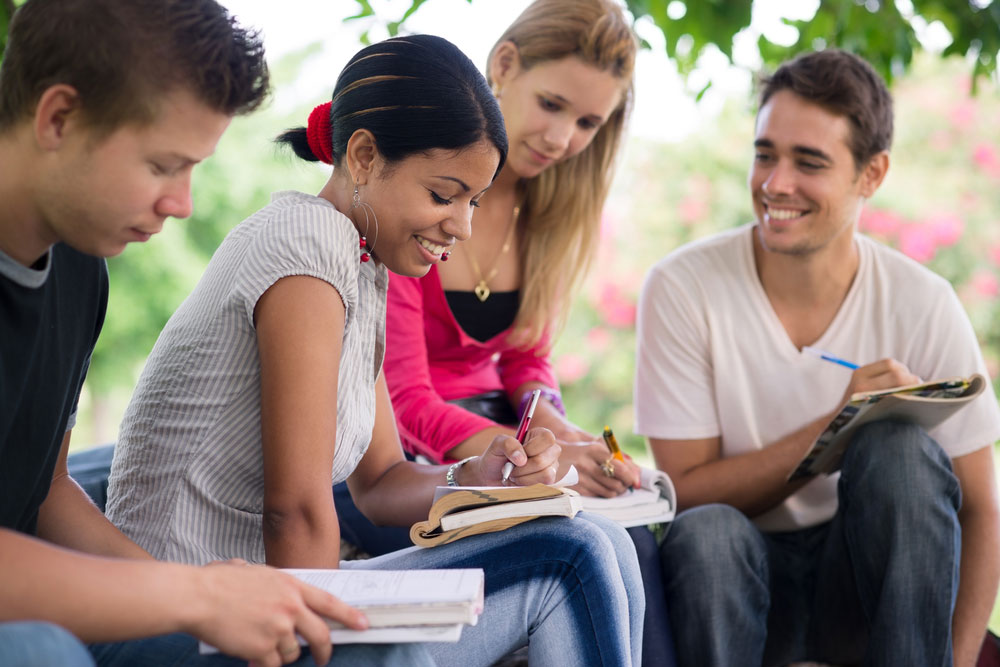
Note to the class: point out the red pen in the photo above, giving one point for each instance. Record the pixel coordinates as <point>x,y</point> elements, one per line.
<point>522,430</point>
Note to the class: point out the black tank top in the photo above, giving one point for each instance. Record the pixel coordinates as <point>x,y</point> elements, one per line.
<point>483,319</point>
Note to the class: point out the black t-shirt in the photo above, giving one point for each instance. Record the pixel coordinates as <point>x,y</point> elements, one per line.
<point>50,317</point>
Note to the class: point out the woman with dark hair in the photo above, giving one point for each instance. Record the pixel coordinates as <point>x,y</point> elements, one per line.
<point>469,341</point>
<point>231,440</point>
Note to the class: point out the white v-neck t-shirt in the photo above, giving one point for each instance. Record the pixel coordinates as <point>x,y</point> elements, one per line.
<point>714,360</point>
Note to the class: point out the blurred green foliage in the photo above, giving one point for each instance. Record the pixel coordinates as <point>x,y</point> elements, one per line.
<point>882,31</point>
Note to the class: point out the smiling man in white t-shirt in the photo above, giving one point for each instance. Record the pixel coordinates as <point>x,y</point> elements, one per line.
<point>894,561</point>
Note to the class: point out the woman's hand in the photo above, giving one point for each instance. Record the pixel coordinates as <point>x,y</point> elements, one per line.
<point>590,459</point>
<point>535,462</point>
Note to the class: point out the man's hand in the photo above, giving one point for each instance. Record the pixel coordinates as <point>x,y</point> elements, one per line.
<point>535,462</point>
<point>884,374</point>
<point>254,612</point>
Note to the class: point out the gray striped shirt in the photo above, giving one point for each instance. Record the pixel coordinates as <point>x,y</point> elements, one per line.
<point>187,483</point>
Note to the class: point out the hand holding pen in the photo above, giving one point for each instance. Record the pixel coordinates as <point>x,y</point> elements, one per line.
<point>882,374</point>
<point>522,431</point>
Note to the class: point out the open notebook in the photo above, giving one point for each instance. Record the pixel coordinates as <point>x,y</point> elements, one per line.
<point>655,501</point>
<point>401,605</point>
<point>927,404</point>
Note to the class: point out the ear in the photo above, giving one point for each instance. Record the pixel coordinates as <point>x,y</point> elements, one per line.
<point>874,173</point>
<point>362,156</point>
<point>58,111</point>
<point>505,63</point>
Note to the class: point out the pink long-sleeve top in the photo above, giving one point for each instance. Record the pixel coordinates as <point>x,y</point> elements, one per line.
<point>430,360</point>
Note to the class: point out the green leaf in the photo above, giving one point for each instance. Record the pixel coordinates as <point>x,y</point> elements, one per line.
<point>364,10</point>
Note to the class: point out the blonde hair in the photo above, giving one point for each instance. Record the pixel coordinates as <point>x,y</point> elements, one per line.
<point>563,203</point>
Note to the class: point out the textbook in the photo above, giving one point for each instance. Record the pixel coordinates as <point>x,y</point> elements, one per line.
<point>927,404</point>
<point>655,501</point>
<point>401,605</point>
<point>460,511</point>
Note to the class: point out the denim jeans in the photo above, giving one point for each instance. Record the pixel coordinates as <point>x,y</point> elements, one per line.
<point>568,589</point>
<point>179,650</point>
<point>657,644</point>
<point>37,644</point>
<point>573,587</point>
<point>876,585</point>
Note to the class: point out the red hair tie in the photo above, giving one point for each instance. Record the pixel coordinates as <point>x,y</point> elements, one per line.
<point>319,133</point>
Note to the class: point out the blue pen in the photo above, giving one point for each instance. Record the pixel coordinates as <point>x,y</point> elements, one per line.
<point>829,357</point>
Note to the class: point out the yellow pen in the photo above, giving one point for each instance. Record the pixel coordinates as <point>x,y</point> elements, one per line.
<point>609,440</point>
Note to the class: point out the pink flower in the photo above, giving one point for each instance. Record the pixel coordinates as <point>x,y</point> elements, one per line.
<point>571,367</point>
<point>917,242</point>
<point>617,309</point>
<point>985,283</point>
<point>994,254</point>
<point>985,156</point>
<point>878,222</point>
<point>963,114</point>
<point>946,229</point>
<point>598,339</point>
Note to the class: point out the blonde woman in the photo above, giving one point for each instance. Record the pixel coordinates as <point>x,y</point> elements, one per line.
<point>466,343</point>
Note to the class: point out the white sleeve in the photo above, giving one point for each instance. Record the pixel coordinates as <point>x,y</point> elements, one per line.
<point>946,346</point>
<point>674,391</point>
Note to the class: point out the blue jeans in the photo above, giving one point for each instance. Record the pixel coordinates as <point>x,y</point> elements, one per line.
<point>570,590</point>
<point>876,585</point>
<point>37,644</point>
<point>179,650</point>
<point>657,644</point>
<point>567,589</point>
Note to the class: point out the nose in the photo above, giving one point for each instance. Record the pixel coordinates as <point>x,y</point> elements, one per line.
<point>176,199</point>
<point>780,180</point>
<point>558,134</point>
<point>459,225</point>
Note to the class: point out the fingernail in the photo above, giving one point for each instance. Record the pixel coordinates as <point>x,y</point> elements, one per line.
<point>520,458</point>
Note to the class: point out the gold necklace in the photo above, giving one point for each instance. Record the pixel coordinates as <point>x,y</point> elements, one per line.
<point>482,288</point>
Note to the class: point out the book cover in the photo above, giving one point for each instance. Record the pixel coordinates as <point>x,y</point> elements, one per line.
<point>927,404</point>
<point>459,512</point>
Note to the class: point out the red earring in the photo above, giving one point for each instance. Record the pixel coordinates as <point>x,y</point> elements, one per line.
<point>366,252</point>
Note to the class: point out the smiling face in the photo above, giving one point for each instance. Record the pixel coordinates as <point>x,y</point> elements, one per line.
<point>100,193</point>
<point>807,192</point>
<point>424,205</point>
<point>553,110</point>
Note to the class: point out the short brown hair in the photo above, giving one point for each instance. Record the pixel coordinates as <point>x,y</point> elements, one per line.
<point>121,56</point>
<point>846,85</point>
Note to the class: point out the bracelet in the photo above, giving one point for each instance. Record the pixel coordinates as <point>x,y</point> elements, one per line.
<point>453,468</point>
<point>551,395</point>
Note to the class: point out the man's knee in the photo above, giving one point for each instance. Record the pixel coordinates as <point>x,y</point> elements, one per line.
<point>714,537</point>
<point>896,462</point>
